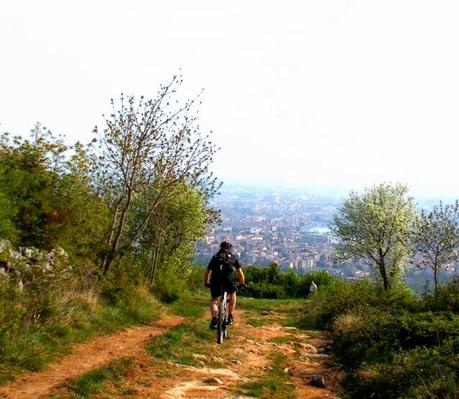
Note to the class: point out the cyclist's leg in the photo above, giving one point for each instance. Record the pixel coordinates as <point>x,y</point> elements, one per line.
<point>215,291</point>
<point>213,307</point>
<point>232,302</point>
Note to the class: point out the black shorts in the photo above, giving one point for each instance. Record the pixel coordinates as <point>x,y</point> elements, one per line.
<point>216,288</point>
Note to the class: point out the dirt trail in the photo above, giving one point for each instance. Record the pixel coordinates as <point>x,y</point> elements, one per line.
<point>85,357</point>
<point>228,371</point>
<point>247,358</point>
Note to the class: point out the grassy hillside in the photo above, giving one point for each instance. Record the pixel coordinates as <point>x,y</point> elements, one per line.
<point>391,344</point>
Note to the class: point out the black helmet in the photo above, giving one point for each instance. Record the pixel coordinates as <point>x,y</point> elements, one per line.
<point>226,246</point>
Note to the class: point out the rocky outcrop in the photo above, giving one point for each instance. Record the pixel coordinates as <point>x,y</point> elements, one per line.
<point>24,265</point>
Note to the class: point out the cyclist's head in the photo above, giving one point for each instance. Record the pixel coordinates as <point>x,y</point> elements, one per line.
<point>227,246</point>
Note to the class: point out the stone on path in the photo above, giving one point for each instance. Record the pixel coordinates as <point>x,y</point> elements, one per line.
<point>213,381</point>
<point>198,356</point>
<point>318,380</point>
<point>308,347</point>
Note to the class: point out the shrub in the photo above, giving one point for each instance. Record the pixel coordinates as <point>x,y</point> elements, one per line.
<point>420,373</point>
<point>447,298</point>
<point>379,336</point>
<point>339,297</point>
<point>391,345</point>
<point>270,282</point>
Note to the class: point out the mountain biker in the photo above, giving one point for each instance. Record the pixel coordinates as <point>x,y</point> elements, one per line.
<point>219,274</point>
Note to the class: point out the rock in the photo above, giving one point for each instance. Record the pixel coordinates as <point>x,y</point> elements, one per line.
<point>318,380</point>
<point>315,355</point>
<point>308,348</point>
<point>235,361</point>
<point>213,381</point>
<point>198,356</point>
<point>265,312</point>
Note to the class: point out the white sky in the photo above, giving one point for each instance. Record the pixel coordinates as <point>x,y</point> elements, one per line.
<point>332,93</point>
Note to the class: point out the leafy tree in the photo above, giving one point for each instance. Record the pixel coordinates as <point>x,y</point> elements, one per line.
<point>436,238</point>
<point>149,142</point>
<point>377,225</point>
<point>47,195</point>
<point>178,222</point>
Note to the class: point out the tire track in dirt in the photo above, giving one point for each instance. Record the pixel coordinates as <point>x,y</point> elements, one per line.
<point>85,357</point>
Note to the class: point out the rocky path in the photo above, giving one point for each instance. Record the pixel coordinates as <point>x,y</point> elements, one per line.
<point>263,358</point>
<point>86,357</point>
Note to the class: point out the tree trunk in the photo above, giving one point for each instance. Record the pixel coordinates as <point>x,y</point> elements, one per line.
<point>436,280</point>
<point>383,271</point>
<point>115,239</point>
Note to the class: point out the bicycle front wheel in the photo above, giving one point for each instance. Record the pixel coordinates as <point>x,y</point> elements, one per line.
<point>222,325</point>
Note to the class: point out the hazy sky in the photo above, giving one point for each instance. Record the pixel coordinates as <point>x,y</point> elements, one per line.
<point>333,93</point>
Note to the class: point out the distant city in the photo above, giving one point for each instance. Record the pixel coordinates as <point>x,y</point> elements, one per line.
<point>289,227</point>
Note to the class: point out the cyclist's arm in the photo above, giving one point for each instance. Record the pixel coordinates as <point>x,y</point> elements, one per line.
<point>240,275</point>
<point>207,276</point>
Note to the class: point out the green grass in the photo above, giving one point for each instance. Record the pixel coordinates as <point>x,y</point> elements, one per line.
<point>27,346</point>
<point>190,305</point>
<point>278,305</point>
<point>274,384</point>
<point>289,309</point>
<point>179,344</point>
<point>95,381</point>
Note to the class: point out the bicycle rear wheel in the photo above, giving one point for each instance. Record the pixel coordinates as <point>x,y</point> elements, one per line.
<point>222,326</point>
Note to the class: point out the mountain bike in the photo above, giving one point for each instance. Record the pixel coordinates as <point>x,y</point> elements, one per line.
<point>223,313</point>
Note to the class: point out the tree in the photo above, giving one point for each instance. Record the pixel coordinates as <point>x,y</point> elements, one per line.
<point>46,195</point>
<point>377,225</point>
<point>436,238</point>
<point>150,142</point>
<point>173,229</point>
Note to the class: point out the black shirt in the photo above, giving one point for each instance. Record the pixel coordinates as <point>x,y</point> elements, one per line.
<point>222,266</point>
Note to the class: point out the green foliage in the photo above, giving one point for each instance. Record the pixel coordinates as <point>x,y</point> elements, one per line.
<point>270,282</point>
<point>359,337</point>
<point>35,326</point>
<point>436,238</point>
<point>377,225</point>
<point>391,344</point>
<point>167,245</point>
<point>47,199</point>
<point>340,297</point>
<point>446,299</point>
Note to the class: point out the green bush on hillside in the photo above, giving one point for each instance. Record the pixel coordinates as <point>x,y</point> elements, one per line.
<point>391,344</point>
<point>270,282</point>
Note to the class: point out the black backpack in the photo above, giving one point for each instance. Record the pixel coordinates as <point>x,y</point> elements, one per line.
<point>224,263</point>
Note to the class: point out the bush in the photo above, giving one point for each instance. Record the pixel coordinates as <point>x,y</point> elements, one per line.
<point>447,298</point>
<point>270,282</point>
<point>377,337</point>
<point>420,373</point>
<point>391,345</point>
<point>339,297</point>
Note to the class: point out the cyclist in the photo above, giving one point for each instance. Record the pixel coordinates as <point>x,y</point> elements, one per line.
<point>219,274</point>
